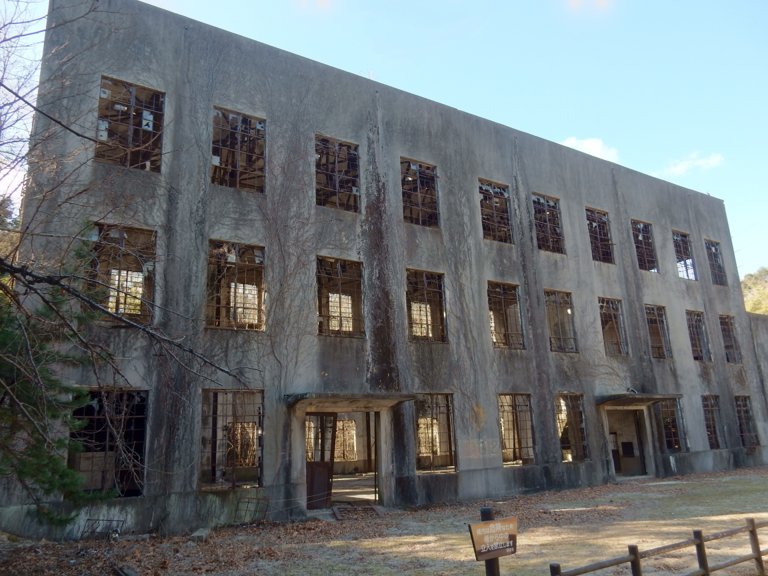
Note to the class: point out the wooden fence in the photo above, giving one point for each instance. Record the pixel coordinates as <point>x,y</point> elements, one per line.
<point>635,557</point>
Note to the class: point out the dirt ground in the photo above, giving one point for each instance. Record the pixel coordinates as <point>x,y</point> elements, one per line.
<point>572,527</point>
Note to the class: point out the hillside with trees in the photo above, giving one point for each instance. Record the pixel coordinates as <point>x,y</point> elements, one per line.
<point>755,288</point>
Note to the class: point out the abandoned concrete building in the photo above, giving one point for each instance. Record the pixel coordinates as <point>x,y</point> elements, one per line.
<point>397,290</point>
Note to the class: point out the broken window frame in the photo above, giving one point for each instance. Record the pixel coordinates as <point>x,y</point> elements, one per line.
<point>122,274</point>
<point>420,193</point>
<point>129,130</point>
<point>435,440</point>
<point>341,279</point>
<point>697,334</point>
<point>337,174</point>
<point>686,264</point>
<point>235,286</point>
<point>110,441</point>
<point>426,306</point>
<point>345,446</point>
<point>571,427</point>
<point>231,439</point>
<point>612,325</point>
<point>238,150</point>
<point>669,420</point>
<point>711,406</point>
<point>505,316</point>
<point>658,331</point>
<point>746,421</point>
<point>645,249</point>
<point>516,430</point>
<point>494,211</point>
<point>599,230</point>
<point>730,342</point>
<point>560,321</point>
<point>548,223</point>
<point>716,264</point>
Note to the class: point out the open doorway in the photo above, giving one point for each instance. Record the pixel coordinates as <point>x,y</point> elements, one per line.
<point>627,438</point>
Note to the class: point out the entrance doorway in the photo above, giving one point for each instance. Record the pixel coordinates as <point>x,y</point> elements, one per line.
<point>627,437</point>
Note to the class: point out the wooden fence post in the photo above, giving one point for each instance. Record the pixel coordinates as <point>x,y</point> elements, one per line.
<point>701,551</point>
<point>554,570</point>
<point>754,541</point>
<point>634,564</point>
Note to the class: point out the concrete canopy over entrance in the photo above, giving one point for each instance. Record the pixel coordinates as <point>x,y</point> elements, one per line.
<point>635,400</point>
<point>335,402</point>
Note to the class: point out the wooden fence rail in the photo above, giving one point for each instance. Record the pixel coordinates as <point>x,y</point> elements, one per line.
<point>635,557</point>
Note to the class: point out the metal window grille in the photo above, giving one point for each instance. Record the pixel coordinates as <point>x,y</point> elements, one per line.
<point>238,150</point>
<point>516,429</point>
<point>345,448</point>
<point>424,297</point>
<point>337,174</point>
<point>711,405</point>
<point>569,415</point>
<point>562,331</point>
<point>340,297</point>
<point>598,227</point>
<point>494,211</point>
<point>419,184</point>
<point>434,431</point>
<point>504,316</point>
<point>656,319</point>
<point>697,332</point>
<point>686,266</point>
<point>747,432</point>
<point>612,323</point>
<point>716,265</point>
<point>549,228</point>
<point>670,431</point>
<point>731,344</point>
<point>235,293</point>
<point>642,235</point>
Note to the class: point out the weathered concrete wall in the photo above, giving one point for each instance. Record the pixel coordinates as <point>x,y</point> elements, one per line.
<point>198,67</point>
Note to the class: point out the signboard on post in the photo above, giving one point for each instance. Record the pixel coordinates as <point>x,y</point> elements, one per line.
<point>494,538</point>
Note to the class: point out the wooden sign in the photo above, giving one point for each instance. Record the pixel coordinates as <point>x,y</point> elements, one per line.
<point>494,538</point>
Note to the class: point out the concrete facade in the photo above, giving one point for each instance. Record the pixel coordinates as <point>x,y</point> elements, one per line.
<point>383,371</point>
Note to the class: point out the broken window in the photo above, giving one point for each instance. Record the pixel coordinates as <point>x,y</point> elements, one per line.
<point>235,297</point>
<point>711,405</point>
<point>697,332</point>
<point>658,334</point>
<point>434,432</point>
<point>669,426</point>
<point>731,344</point>
<point>504,316</point>
<point>424,298</point>
<point>642,234</point>
<point>716,265</point>
<point>569,414</point>
<point>612,323</point>
<point>746,420</point>
<point>110,438</point>
<point>345,448</point>
<point>549,228</point>
<point>419,182</point>
<point>494,211</point>
<point>238,150</point>
<point>232,438</point>
<point>686,267</point>
<point>337,174</point>
<point>599,231</point>
<point>562,330</point>
<point>124,270</point>
<point>339,297</point>
<point>130,126</point>
<point>516,428</point>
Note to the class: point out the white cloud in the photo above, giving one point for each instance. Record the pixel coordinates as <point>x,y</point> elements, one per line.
<point>593,146</point>
<point>693,161</point>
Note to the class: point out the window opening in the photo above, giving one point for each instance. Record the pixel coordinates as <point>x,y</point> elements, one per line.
<point>658,334</point>
<point>516,429</point>
<point>345,448</point>
<point>419,183</point>
<point>232,438</point>
<point>238,150</point>
<point>612,323</point>
<point>339,297</point>
<point>599,230</point>
<point>504,316</point>
<point>711,405</point>
<point>111,437</point>
<point>746,421</point>
<point>424,297</point>
<point>123,271</point>
<point>686,267</point>
<point>697,332</point>
<point>562,330</point>
<point>642,234</point>
<point>337,174</point>
<point>130,126</point>
<point>716,265</point>
<point>670,430</point>
<point>546,217</point>
<point>731,344</point>
<point>235,296</point>
<point>434,432</point>
<point>569,413</point>
<point>494,211</point>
